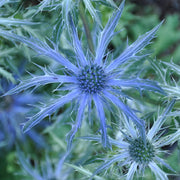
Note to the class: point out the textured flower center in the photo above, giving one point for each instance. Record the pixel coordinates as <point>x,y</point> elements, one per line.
<point>92,79</point>
<point>140,152</point>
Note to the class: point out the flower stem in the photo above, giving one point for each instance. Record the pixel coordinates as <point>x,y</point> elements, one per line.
<point>86,27</point>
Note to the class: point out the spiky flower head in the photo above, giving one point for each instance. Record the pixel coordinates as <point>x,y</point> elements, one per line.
<point>46,169</point>
<point>12,112</point>
<point>134,153</point>
<point>92,79</point>
<point>89,80</point>
<point>140,152</point>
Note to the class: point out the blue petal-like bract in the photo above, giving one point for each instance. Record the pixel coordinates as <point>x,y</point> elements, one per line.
<point>137,83</point>
<point>75,127</point>
<point>102,118</point>
<point>48,110</point>
<point>133,49</point>
<point>157,171</point>
<point>77,44</point>
<point>131,171</point>
<point>160,121</point>
<point>60,165</point>
<point>161,161</point>
<point>41,48</point>
<point>107,164</point>
<point>107,33</point>
<point>127,111</point>
<point>112,141</point>
<point>40,80</point>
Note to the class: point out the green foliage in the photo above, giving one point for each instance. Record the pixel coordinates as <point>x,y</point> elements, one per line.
<point>169,38</point>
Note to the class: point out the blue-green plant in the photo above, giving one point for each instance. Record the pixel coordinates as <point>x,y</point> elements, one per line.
<point>86,72</point>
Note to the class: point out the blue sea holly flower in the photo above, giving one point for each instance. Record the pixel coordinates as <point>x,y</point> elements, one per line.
<point>46,169</point>
<point>88,80</point>
<point>12,112</point>
<point>137,156</point>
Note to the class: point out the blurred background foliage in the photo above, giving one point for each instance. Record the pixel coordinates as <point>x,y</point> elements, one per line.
<point>44,19</point>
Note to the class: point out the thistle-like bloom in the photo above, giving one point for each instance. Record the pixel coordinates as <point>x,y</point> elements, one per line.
<point>46,169</point>
<point>88,80</point>
<point>12,113</point>
<point>133,153</point>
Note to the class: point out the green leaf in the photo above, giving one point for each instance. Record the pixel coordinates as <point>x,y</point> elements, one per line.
<point>4,52</point>
<point>66,8</point>
<point>172,91</point>
<point>172,66</point>
<point>84,171</point>
<point>167,35</point>
<point>92,11</point>
<point>7,75</point>
<point>169,139</point>
<point>17,22</point>
<point>111,2</point>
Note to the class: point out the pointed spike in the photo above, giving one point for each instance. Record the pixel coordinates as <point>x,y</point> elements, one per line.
<point>134,48</point>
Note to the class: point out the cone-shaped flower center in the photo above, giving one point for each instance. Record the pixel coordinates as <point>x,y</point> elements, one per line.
<point>140,152</point>
<point>92,79</point>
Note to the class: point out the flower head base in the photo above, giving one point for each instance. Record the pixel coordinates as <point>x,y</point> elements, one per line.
<point>92,79</point>
<point>141,153</point>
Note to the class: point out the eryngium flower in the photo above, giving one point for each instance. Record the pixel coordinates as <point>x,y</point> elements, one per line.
<point>12,113</point>
<point>46,169</point>
<point>89,80</point>
<point>132,152</point>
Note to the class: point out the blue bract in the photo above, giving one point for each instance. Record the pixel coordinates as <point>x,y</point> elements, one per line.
<point>89,80</point>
